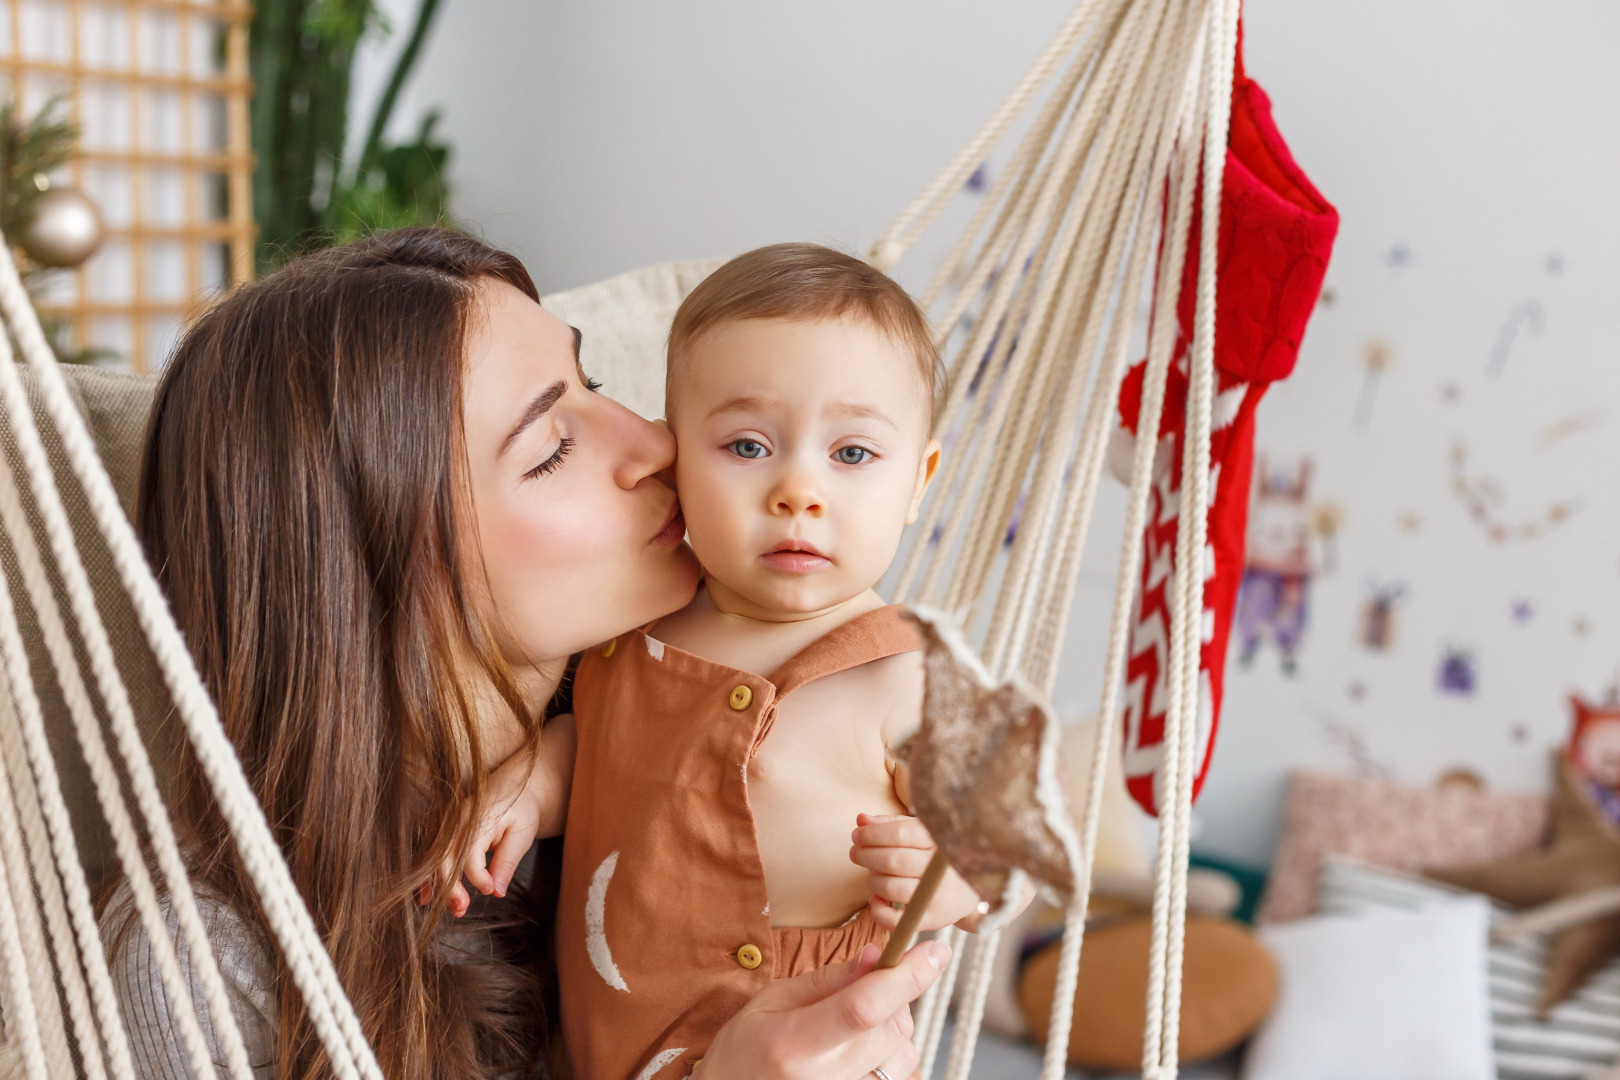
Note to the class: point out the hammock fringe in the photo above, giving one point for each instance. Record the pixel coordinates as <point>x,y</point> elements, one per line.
<point>1035,306</point>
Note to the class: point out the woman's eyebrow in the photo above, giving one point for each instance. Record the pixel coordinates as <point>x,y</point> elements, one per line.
<point>541,404</point>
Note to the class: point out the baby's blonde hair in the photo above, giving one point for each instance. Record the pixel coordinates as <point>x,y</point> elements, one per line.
<point>810,282</point>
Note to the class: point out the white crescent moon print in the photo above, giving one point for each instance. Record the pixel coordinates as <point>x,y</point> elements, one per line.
<point>596,945</point>
<point>656,1065</point>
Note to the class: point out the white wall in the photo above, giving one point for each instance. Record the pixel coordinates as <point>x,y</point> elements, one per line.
<point>1477,137</point>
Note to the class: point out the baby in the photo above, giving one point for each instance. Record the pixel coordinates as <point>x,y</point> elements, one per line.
<point>725,751</point>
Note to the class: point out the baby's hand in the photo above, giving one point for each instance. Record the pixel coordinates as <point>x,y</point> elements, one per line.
<point>526,797</point>
<point>895,851</point>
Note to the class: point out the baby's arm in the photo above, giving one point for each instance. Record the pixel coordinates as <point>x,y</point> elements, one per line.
<point>895,851</point>
<point>526,798</point>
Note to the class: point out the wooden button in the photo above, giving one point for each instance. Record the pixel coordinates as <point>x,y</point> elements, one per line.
<point>741,698</point>
<point>749,956</point>
<point>608,649</point>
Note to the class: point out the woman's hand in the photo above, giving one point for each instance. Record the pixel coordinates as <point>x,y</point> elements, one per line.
<point>895,851</point>
<point>526,797</point>
<point>838,1023</point>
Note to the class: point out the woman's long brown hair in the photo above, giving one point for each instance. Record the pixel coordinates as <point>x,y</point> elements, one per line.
<point>303,502</point>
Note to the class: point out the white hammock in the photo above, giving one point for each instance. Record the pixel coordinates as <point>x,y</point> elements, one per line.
<point>1058,254</point>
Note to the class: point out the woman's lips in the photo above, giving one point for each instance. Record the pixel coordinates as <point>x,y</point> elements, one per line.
<point>795,558</point>
<point>674,530</point>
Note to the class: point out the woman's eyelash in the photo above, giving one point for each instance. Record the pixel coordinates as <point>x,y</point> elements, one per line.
<point>592,385</point>
<point>552,463</point>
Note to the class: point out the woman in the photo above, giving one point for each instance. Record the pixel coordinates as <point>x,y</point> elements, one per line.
<point>387,507</point>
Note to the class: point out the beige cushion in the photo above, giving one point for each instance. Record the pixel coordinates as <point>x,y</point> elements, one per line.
<point>115,405</point>
<point>1392,826</point>
<point>1229,983</point>
<point>625,323</point>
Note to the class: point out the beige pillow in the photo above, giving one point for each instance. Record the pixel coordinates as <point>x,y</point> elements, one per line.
<point>1389,825</point>
<point>625,326</point>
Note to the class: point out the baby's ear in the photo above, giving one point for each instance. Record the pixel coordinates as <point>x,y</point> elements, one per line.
<point>927,468</point>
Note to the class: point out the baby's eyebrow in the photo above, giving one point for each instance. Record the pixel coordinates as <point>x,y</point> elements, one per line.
<point>848,410</point>
<point>856,411</point>
<point>738,404</point>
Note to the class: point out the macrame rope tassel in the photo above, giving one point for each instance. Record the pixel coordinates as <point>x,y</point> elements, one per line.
<point>87,727</point>
<point>1035,306</point>
<point>1161,1055</point>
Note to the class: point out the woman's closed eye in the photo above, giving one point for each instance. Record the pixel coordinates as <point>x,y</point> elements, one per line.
<point>552,463</point>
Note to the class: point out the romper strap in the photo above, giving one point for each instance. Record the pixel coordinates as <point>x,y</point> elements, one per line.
<point>885,631</point>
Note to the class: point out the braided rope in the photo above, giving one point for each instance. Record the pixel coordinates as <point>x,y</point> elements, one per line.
<point>21,798</point>
<point>1008,188</point>
<point>26,916</point>
<point>910,222</point>
<point>936,1004</point>
<point>1007,628</point>
<point>1081,136</point>
<point>22,737</point>
<point>1160,1059</point>
<point>1074,526</point>
<point>1058,255</point>
<point>288,919</point>
<point>109,791</point>
<point>22,1023</point>
<point>970,1009</point>
<point>1154,155</point>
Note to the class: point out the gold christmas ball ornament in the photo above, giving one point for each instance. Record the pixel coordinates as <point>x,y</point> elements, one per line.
<point>66,228</point>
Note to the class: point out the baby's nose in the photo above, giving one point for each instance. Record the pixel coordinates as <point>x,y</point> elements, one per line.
<point>796,496</point>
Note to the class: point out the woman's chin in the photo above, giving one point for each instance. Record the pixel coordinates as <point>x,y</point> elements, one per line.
<point>682,574</point>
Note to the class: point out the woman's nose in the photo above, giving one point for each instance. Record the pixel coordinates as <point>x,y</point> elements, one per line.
<point>647,448</point>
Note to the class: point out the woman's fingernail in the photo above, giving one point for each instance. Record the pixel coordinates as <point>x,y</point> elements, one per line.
<point>939,954</point>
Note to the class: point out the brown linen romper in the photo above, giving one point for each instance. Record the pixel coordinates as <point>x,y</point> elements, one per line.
<point>663,926</point>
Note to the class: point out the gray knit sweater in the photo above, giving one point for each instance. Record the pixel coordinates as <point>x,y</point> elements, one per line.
<point>245,964</point>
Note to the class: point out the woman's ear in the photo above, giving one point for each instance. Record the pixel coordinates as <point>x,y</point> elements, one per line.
<point>926,468</point>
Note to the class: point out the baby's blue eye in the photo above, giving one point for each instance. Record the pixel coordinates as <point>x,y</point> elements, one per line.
<point>747,448</point>
<point>851,455</point>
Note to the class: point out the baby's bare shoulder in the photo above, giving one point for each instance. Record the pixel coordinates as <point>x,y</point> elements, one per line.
<point>888,691</point>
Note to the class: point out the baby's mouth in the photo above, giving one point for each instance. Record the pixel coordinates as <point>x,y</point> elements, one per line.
<point>795,557</point>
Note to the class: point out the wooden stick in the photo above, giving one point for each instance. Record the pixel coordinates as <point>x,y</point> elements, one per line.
<point>1561,914</point>
<point>927,886</point>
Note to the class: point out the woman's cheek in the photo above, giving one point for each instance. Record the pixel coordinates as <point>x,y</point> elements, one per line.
<point>554,556</point>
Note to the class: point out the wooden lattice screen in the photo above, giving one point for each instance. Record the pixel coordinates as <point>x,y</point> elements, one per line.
<point>160,90</point>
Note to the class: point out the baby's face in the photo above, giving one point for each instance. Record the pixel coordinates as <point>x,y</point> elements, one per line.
<point>802,453</point>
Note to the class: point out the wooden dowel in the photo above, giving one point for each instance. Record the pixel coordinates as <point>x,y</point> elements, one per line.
<point>1561,914</point>
<point>927,886</point>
